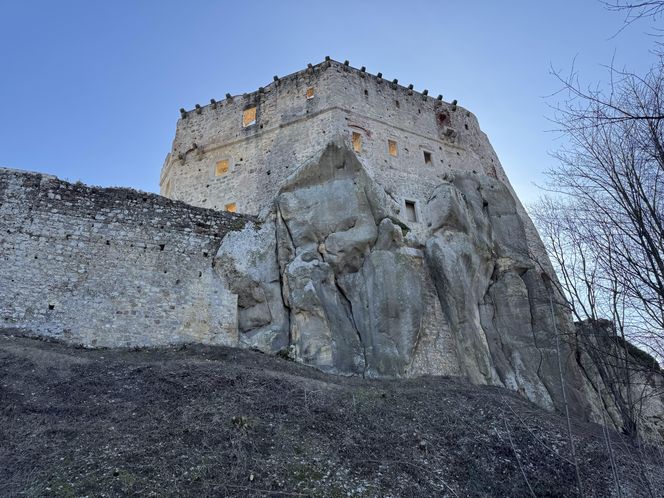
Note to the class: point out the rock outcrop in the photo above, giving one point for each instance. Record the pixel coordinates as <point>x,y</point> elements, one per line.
<point>335,275</point>
<point>629,382</point>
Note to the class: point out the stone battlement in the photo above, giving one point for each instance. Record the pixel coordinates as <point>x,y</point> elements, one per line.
<point>309,70</point>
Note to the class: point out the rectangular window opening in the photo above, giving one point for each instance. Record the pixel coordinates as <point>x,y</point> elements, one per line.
<point>310,92</point>
<point>427,157</point>
<point>392,147</point>
<point>231,208</point>
<point>221,168</point>
<point>248,117</point>
<point>411,212</point>
<point>357,141</point>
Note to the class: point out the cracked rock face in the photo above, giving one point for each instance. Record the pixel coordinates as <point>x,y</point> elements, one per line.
<point>334,274</point>
<point>246,261</point>
<point>354,301</point>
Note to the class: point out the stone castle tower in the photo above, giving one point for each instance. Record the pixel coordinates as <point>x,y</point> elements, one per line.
<point>335,216</point>
<point>389,242</point>
<point>235,154</point>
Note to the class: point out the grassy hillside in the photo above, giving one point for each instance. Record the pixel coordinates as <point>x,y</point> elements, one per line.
<point>213,421</point>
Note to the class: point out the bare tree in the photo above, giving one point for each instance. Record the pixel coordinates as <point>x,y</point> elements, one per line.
<point>611,175</point>
<point>594,297</point>
<point>636,10</point>
<point>604,228</point>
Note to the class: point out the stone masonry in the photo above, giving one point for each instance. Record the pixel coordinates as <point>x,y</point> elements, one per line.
<point>297,115</point>
<point>110,267</point>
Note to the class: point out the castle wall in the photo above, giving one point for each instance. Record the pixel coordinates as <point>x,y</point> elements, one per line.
<point>257,167</point>
<point>110,267</point>
<point>290,129</point>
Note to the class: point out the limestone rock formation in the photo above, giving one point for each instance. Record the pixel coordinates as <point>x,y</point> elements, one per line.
<point>248,267</point>
<point>628,380</point>
<point>333,273</point>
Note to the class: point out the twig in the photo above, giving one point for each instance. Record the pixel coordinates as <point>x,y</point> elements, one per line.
<point>449,488</point>
<point>552,450</point>
<point>518,460</point>
<point>607,439</point>
<point>562,386</point>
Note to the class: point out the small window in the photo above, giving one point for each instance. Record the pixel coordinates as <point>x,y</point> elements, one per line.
<point>221,168</point>
<point>392,147</point>
<point>248,117</point>
<point>310,92</point>
<point>231,208</point>
<point>411,212</point>
<point>357,141</point>
<point>427,157</point>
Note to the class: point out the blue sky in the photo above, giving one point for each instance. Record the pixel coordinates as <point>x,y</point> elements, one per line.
<point>90,90</point>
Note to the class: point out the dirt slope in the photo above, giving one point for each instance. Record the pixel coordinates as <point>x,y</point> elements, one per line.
<point>212,421</point>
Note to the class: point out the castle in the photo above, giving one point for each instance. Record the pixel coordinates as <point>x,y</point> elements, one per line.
<point>334,216</point>
<point>252,152</point>
<point>234,154</point>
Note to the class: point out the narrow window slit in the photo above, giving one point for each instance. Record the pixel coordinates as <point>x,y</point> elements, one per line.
<point>248,117</point>
<point>221,168</point>
<point>411,212</point>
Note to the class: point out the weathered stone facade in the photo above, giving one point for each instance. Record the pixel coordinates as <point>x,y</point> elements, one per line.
<point>110,267</point>
<point>290,128</point>
<point>292,125</point>
<point>382,199</point>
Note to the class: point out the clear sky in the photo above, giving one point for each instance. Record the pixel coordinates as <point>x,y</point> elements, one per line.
<point>90,90</point>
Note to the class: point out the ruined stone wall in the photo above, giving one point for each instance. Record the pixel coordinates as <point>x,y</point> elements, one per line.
<point>110,267</point>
